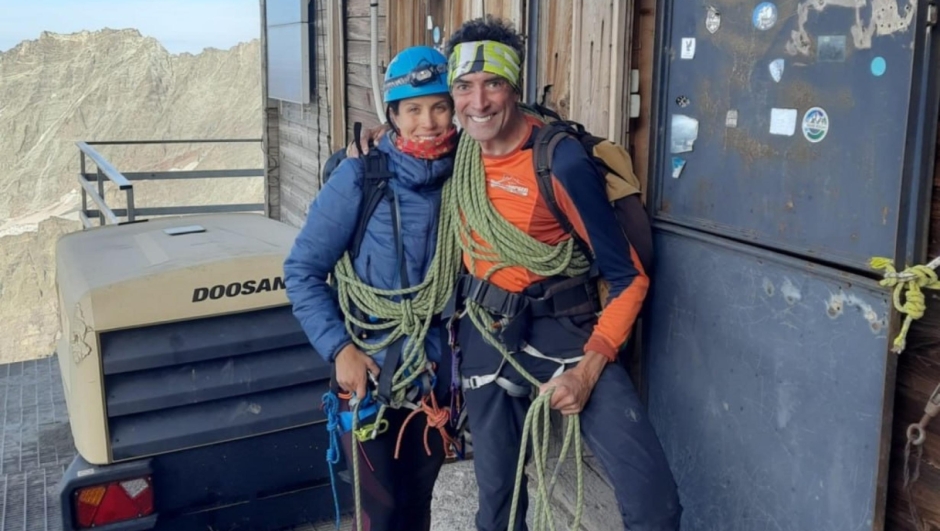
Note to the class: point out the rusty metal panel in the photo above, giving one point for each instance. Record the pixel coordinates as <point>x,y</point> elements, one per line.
<point>791,124</point>
<point>769,381</point>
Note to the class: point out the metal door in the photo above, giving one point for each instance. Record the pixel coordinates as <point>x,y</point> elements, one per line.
<point>790,149</point>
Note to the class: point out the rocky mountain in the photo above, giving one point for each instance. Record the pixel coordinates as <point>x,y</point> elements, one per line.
<point>108,85</point>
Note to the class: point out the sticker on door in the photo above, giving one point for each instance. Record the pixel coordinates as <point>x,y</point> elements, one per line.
<point>765,16</point>
<point>684,133</point>
<point>783,121</point>
<point>688,48</point>
<point>776,69</point>
<point>815,124</point>
<point>712,19</point>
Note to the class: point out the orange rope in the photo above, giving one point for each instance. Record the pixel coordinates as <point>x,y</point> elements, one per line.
<point>437,418</point>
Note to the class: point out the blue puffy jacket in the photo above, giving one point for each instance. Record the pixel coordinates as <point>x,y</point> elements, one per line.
<point>328,232</point>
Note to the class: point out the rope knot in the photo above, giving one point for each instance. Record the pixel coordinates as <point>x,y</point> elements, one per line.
<point>437,418</point>
<point>925,276</point>
<point>916,303</point>
<point>909,282</point>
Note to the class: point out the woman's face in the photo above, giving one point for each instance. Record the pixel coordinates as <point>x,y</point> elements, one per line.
<point>424,117</point>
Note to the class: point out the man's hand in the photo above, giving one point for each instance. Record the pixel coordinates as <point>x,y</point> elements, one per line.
<point>375,134</point>
<point>352,368</point>
<point>573,388</point>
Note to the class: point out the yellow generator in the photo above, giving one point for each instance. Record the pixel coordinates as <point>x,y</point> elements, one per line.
<point>193,394</point>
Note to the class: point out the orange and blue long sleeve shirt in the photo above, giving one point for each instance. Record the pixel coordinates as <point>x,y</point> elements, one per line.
<point>580,192</point>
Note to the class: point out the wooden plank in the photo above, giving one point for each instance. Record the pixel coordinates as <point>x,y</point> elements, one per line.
<point>291,175</point>
<point>360,98</point>
<point>513,10</point>
<point>367,118</point>
<point>294,202</point>
<point>302,185</point>
<point>336,58</point>
<point>359,29</point>
<point>555,55</point>
<point>462,11</point>
<point>643,43</point>
<point>476,9</point>
<point>358,75</point>
<point>290,154</point>
<point>292,219</point>
<point>575,72</point>
<point>270,142</point>
<point>309,115</point>
<point>454,16</point>
<point>360,8</point>
<point>319,117</point>
<point>620,61</point>
<point>406,25</point>
<point>628,67</point>
<point>358,52</point>
<point>591,63</point>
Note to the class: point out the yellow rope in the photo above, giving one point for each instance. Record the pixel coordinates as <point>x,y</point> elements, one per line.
<point>910,282</point>
<point>506,246</point>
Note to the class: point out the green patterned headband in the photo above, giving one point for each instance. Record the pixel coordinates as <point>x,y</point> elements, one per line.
<point>485,56</point>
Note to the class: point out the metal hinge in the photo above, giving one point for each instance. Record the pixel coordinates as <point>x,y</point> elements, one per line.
<point>932,15</point>
<point>634,93</point>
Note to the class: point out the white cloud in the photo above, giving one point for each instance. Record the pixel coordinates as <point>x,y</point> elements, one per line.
<point>180,25</point>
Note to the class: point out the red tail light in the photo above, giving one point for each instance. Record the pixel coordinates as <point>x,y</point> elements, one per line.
<point>113,502</point>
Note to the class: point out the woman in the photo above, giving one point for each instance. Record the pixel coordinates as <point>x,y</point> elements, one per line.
<point>379,324</point>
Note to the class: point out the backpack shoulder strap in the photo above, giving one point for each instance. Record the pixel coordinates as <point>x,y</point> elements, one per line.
<point>546,140</point>
<point>374,188</point>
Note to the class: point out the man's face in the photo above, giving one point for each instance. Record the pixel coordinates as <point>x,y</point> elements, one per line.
<point>485,103</point>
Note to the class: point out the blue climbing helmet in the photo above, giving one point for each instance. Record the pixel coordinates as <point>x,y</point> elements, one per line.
<point>415,71</point>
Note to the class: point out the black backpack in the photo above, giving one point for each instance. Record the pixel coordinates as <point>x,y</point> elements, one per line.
<point>374,186</point>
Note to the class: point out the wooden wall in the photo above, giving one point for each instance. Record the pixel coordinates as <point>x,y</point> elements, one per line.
<point>584,54</point>
<point>447,15</point>
<point>584,51</point>
<point>303,133</point>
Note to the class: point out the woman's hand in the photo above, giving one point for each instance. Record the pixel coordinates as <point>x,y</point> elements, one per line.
<point>352,368</point>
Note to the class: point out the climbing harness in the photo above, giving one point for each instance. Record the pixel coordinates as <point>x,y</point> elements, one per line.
<point>506,245</point>
<point>910,282</point>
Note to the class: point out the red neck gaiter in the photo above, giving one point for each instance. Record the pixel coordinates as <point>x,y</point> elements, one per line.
<point>428,149</point>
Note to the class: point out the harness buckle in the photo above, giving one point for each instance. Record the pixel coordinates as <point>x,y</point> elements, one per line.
<point>512,305</point>
<point>474,382</point>
<point>477,290</point>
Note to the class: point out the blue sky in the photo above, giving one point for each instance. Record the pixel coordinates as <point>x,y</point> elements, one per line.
<point>180,25</point>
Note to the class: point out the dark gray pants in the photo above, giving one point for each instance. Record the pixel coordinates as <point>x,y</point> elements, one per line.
<point>614,425</point>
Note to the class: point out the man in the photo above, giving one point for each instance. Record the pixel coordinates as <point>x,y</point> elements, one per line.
<point>530,292</point>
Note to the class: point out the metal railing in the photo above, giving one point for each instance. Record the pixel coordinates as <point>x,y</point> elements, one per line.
<point>93,184</point>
